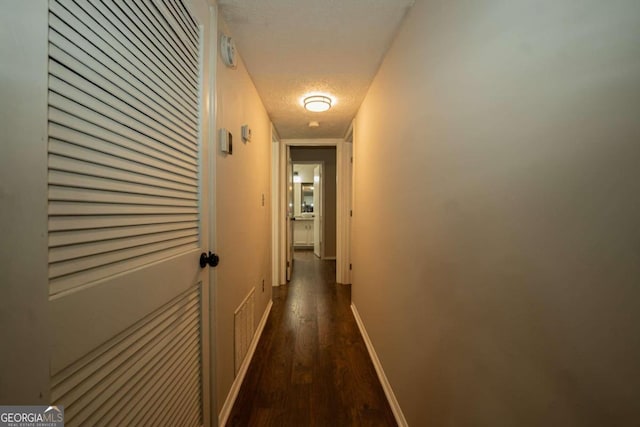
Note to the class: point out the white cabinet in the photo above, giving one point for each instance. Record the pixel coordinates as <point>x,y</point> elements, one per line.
<point>303,232</point>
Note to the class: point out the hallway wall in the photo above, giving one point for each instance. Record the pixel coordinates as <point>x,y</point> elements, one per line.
<point>243,223</point>
<point>496,236</point>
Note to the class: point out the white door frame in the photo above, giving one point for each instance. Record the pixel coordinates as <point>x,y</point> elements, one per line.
<point>289,212</point>
<point>210,104</point>
<point>318,220</point>
<point>26,330</point>
<point>343,183</point>
<point>344,207</point>
<point>322,168</point>
<point>275,207</point>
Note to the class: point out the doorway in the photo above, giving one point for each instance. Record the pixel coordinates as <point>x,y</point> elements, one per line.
<point>326,226</point>
<point>326,157</point>
<point>308,197</point>
<point>336,207</point>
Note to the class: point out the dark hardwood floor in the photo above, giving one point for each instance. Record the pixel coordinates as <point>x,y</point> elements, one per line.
<point>311,366</point>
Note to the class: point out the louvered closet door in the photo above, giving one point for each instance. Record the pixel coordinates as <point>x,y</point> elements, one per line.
<point>128,82</point>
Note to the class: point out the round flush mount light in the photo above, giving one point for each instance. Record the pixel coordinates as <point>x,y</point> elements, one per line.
<point>317,103</point>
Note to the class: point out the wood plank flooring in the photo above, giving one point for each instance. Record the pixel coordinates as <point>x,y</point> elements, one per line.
<point>311,366</point>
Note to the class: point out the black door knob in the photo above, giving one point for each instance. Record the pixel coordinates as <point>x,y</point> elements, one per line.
<point>213,259</point>
<point>209,259</point>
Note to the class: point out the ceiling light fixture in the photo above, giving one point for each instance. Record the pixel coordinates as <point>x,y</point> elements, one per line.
<point>317,103</point>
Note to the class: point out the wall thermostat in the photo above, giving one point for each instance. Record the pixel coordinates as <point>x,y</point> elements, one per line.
<point>246,133</point>
<point>226,141</point>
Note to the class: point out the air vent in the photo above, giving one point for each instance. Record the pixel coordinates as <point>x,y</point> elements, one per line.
<point>243,329</point>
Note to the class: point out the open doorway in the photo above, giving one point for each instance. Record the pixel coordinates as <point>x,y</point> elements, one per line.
<point>307,158</point>
<point>308,195</point>
<point>335,157</point>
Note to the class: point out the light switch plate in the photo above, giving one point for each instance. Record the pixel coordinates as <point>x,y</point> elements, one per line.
<point>226,141</point>
<point>246,133</point>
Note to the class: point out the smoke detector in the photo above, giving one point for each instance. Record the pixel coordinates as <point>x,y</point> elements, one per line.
<point>228,51</point>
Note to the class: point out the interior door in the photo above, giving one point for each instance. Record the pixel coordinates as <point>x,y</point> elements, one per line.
<point>290,214</point>
<point>317,211</point>
<point>128,210</point>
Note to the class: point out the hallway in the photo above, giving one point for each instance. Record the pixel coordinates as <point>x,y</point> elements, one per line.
<point>487,206</point>
<point>311,366</point>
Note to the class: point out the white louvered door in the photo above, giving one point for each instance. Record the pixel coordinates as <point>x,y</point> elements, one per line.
<point>129,88</point>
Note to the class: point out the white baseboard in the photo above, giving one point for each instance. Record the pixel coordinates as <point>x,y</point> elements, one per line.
<point>388,391</point>
<point>235,387</point>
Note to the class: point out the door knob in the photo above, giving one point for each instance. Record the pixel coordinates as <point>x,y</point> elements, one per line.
<point>211,259</point>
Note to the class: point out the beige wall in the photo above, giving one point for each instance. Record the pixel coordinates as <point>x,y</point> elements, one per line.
<point>243,225</point>
<point>496,244</point>
<point>327,155</point>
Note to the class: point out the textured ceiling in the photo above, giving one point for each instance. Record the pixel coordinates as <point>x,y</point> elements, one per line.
<point>294,47</point>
